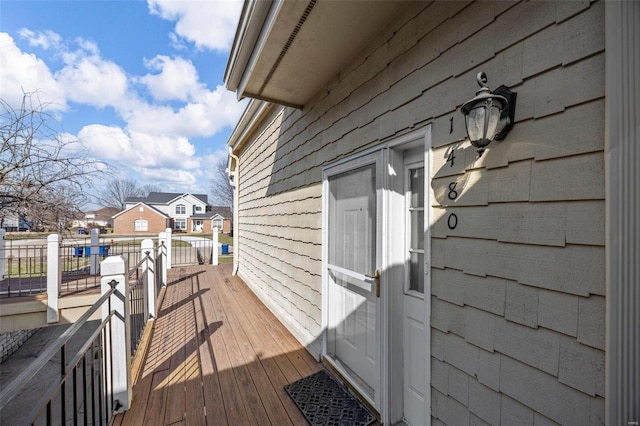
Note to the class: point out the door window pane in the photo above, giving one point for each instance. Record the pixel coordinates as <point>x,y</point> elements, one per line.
<point>352,219</point>
<point>416,278</point>
<point>416,186</point>
<point>415,229</point>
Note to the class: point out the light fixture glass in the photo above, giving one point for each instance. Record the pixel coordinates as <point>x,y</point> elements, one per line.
<point>488,116</point>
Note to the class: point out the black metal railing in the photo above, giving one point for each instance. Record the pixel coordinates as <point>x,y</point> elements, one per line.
<point>80,394</point>
<point>188,250</point>
<point>138,298</point>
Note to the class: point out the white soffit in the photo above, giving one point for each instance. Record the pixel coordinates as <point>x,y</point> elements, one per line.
<point>301,45</point>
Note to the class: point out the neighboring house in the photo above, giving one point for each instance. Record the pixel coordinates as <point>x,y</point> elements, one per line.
<point>140,218</point>
<point>101,217</point>
<point>443,286</point>
<point>13,222</point>
<point>217,217</point>
<point>181,212</point>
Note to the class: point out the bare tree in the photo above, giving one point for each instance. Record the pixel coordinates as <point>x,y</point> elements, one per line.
<point>37,164</point>
<point>149,188</point>
<point>221,189</point>
<point>116,191</point>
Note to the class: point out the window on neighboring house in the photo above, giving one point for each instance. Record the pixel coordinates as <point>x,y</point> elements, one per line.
<point>198,208</point>
<point>217,224</point>
<point>180,224</point>
<point>140,225</point>
<point>181,209</point>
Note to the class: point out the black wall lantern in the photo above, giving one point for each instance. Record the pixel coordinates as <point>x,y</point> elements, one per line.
<point>489,115</point>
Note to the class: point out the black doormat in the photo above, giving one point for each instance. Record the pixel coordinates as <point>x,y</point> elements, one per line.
<point>323,401</point>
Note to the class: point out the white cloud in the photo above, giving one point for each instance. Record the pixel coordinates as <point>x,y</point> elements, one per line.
<point>174,180</point>
<point>210,113</point>
<point>209,24</point>
<point>178,79</point>
<point>93,81</point>
<point>25,73</point>
<point>44,39</point>
<point>139,150</point>
<point>108,142</point>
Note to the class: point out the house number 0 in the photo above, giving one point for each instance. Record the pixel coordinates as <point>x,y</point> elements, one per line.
<point>452,221</point>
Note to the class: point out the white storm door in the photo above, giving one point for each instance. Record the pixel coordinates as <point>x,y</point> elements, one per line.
<point>414,313</point>
<point>353,192</point>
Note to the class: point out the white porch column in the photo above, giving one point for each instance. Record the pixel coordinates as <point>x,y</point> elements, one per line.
<point>54,277</point>
<point>168,231</point>
<point>148,272</point>
<point>93,268</point>
<point>214,247</point>
<point>3,253</point>
<point>115,273</point>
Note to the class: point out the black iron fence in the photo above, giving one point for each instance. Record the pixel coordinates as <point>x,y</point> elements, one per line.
<point>80,394</point>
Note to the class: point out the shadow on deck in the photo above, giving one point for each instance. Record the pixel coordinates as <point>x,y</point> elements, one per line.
<point>217,356</point>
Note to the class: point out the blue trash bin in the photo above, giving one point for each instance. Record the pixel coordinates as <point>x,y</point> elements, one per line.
<point>103,251</point>
<point>77,251</point>
<point>87,251</point>
<point>225,248</point>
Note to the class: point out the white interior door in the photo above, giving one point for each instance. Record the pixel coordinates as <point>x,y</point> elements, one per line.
<point>415,360</point>
<point>353,336</point>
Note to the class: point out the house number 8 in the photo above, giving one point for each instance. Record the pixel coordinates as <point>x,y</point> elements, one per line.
<point>453,194</point>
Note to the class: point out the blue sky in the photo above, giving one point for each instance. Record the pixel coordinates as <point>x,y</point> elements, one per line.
<point>138,83</point>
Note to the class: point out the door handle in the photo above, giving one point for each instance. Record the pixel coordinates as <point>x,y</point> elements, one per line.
<point>376,276</point>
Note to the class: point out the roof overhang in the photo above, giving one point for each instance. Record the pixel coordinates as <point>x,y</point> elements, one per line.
<point>286,51</point>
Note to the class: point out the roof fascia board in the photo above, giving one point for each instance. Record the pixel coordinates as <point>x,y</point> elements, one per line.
<point>250,29</point>
<point>259,45</point>
<point>251,118</point>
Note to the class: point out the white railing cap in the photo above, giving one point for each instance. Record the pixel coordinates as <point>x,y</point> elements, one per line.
<point>113,265</point>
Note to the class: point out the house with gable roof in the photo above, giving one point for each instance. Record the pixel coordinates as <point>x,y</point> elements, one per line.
<point>182,212</point>
<point>445,286</point>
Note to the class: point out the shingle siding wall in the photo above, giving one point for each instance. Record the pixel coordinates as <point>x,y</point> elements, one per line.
<point>518,286</point>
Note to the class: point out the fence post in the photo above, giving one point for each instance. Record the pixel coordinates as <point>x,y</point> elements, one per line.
<point>3,255</point>
<point>168,231</point>
<point>214,247</point>
<point>148,275</point>
<point>93,268</point>
<point>115,273</point>
<point>54,277</point>
<point>162,246</point>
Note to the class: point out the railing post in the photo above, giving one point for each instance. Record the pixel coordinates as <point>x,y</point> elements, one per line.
<point>148,275</point>
<point>3,255</point>
<point>214,247</point>
<point>54,277</point>
<point>162,246</point>
<point>168,231</point>
<point>93,268</point>
<point>115,273</point>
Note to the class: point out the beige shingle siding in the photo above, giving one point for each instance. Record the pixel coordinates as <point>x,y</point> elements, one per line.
<point>518,286</point>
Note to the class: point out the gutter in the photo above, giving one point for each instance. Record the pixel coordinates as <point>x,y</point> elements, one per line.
<point>252,117</point>
<point>235,182</point>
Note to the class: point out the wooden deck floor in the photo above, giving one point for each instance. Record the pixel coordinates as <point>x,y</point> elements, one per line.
<point>218,357</point>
